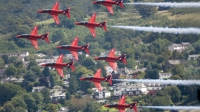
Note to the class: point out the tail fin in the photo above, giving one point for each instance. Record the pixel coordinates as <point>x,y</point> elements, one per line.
<point>103,25</point>
<point>133,106</point>
<point>71,65</point>
<point>123,58</point>
<point>67,12</point>
<point>85,47</point>
<point>109,79</point>
<point>45,37</point>
<point>120,3</point>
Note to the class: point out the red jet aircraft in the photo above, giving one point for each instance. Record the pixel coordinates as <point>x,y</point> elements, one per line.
<point>108,4</point>
<point>59,65</point>
<point>34,36</point>
<point>91,24</point>
<point>97,79</point>
<point>73,48</point>
<point>111,59</point>
<point>55,11</point>
<point>121,105</point>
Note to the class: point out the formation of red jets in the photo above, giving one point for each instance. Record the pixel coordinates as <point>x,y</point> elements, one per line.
<point>73,48</point>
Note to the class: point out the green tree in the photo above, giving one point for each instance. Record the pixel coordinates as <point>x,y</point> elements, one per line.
<point>174,92</point>
<point>178,70</point>
<point>8,107</point>
<point>92,107</point>
<point>46,94</point>
<point>6,59</point>
<point>11,71</point>
<point>146,11</point>
<point>2,63</point>
<point>46,72</point>
<point>89,63</point>
<point>52,80</point>
<point>73,84</point>
<point>8,91</point>
<point>57,35</point>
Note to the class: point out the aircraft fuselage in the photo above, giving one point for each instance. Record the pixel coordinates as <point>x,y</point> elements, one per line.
<point>72,48</point>
<point>93,79</point>
<point>52,12</point>
<point>118,106</point>
<point>59,65</point>
<point>107,58</point>
<point>28,36</point>
<point>105,2</point>
<point>88,24</point>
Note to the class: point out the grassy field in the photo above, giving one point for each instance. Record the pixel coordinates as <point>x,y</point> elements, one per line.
<point>48,21</point>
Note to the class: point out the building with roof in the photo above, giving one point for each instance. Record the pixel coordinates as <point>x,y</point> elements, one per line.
<point>179,47</point>
<point>38,88</point>
<point>165,75</point>
<point>23,54</point>
<point>193,56</point>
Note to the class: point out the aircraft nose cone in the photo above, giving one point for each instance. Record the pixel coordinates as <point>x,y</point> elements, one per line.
<point>76,23</point>
<point>106,105</point>
<point>81,78</point>
<point>96,58</point>
<point>18,36</point>
<point>39,11</point>
<point>43,65</point>
<point>58,47</point>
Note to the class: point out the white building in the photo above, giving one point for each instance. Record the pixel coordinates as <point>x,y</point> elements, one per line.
<point>164,75</point>
<point>179,47</point>
<point>102,94</point>
<point>193,57</point>
<point>134,89</point>
<point>37,89</point>
<point>23,54</point>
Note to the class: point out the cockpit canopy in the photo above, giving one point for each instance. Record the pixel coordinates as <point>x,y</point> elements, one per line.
<point>46,9</point>
<point>83,22</point>
<point>25,34</point>
<point>89,77</point>
<point>65,45</point>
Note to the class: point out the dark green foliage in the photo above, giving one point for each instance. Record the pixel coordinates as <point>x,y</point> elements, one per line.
<point>146,11</point>
<point>46,72</point>
<point>89,63</point>
<point>52,80</point>
<point>6,59</point>
<point>57,35</point>
<point>8,91</point>
<point>11,71</point>
<point>174,92</point>
<point>73,84</point>
<point>92,107</point>
<point>46,95</point>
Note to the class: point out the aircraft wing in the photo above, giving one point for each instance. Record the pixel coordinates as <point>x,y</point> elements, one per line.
<point>34,43</point>
<point>55,6</point>
<point>98,73</point>
<point>56,19</point>
<point>98,85</point>
<point>60,59</point>
<point>75,54</point>
<point>110,9</point>
<point>93,18</point>
<point>121,110</point>
<point>92,31</point>
<point>75,42</point>
<point>111,53</point>
<point>122,100</point>
<point>60,71</point>
<point>112,64</point>
<point>34,31</point>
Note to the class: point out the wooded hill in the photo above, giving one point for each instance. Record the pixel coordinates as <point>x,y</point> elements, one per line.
<point>18,17</point>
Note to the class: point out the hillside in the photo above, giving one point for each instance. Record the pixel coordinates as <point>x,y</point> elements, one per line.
<point>148,48</point>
